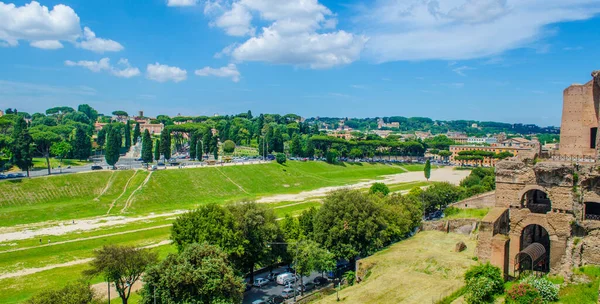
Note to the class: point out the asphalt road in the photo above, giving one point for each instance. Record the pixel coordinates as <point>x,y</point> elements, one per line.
<point>272,288</point>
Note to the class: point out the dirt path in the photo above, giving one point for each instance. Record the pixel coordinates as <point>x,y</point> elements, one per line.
<point>108,184</point>
<point>87,238</point>
<point>29,271</point>
<point>229,179</point>
<point>446,174</point>
<point>80,225</point>
<point>130,198</point>
<point>122,193</point>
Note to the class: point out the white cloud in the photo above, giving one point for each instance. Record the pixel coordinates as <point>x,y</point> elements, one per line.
<point>462,29</point>
<point>299,32</point>
<point>163,73</point>
<point>127,71</point>
<point>461,70</point>
<point>99,45</point>
<point>182,2</point>
<point>45,28</point>
<point>47,44</point>
<point>229,71</point>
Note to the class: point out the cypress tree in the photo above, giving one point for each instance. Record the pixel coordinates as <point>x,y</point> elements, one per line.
<point>157,150</point>
<point>22,151</point>
<point>82,145</point>
<point>165,144</point>
<point>193,143</point>
<point>427,170</point>
<point>147,147</point>
<point>136,133</point>
<point>113,145</point>
<point>127,136</point>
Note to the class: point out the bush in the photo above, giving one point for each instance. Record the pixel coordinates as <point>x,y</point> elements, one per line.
<point>280,158</point>
<point>332,156</point>
<point>523,294</point>
<point>480,290</point>
<point>349,277</point>
<point>483,282</point>
<point>379,188</point>
<point>547,289</point>
<point>228,146</point>
<point>73,293</point>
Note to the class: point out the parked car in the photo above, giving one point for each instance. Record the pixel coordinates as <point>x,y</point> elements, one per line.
<point>11,175</point>
<point>259,302</point>
<point>272,276</point>
<point>276,300</point>
<point>306,287</point>
<point>285,278</point>
<point>2,176</point>
<point>319,281</point>
<point>21,175</point>
<point>260,282</point>
<point>96,167</point>
<point>248,287</point>
<point>287,293</point>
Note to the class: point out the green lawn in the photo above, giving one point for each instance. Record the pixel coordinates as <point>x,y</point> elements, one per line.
<point>40,163</point>
<point>470,213</point>
<point>295,209</point>
<point>582,293</point>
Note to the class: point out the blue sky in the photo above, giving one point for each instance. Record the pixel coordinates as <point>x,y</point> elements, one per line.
<point>501,60</point>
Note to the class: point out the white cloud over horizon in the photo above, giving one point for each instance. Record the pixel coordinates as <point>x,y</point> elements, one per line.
<point>182,2</point>
<point>125,70</point>
<point>462,29</point>
<point>229,71</point>
<point>163,73</point>
<point>47,28</point>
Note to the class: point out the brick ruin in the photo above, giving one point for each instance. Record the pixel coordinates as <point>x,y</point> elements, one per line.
<point>547,211</point>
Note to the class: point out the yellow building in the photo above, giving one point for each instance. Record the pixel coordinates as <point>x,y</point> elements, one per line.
<point>487,161</point>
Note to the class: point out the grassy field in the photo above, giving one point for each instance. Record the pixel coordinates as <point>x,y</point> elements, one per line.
<point>422,269</point>
<point>40,163</point>
<point>470,213</point>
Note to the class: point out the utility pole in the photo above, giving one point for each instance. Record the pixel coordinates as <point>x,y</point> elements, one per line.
<point>108,284</point>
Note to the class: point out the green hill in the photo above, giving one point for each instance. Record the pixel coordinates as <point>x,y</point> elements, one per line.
<point>66,197</point>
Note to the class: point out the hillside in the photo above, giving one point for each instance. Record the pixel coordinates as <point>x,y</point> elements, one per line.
<point>422,269</point>
<point>74,196</point>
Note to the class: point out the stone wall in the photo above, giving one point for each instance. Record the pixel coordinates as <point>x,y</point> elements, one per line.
<point>481,201</point>
<point>464,226</point>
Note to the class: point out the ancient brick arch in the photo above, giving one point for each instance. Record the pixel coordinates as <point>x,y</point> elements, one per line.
<point>536,198</point>
<point>534,220</point>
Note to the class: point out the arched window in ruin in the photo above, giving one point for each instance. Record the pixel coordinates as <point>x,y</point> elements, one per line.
<point>592,211</point>
<point>535,234</point>
<point>536,201</point>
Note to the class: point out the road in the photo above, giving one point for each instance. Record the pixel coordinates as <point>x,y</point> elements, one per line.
<point>272,288</point>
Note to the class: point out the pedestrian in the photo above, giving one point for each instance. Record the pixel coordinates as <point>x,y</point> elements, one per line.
<point>48,241</point>
<point>40,241</point>
<point>73,222</point>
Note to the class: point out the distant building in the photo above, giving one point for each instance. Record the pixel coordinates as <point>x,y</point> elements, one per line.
<point>423,135</point>
<point>517,142</point>
<point>458,137</point>
<point>487,161</point>
<point>152,128</point>
<point>482,140</point>
<point>392,125</point>
<point>382,133</point>
<point>1,113</point>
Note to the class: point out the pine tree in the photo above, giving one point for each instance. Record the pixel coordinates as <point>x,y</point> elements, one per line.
<point>165,144</point>
<point>22,151</point>
<point>157,150</point>
<point>82,145</point>
<point>113,145</point>
<point>427,170</point>
<point>127,136</point>
<point>136,133</point>
<point>295,145</point>
<point>193,142</point>
<point>147,147</point>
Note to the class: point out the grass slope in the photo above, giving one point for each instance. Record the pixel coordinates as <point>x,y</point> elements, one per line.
<point>422,269</point>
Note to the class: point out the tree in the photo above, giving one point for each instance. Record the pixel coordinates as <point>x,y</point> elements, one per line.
<point>165,144</point>
<point>295,145</point>
<point>157,150</point>
<point>211,223</point>
<point>258,226</point>
<point>147,147</point>
<point>137,133</point>
<point>79,292</point>
<point>21,148</point>
<point>120,113</point>
<point>280,158</point>
<point>193,146</point>
<point>355,153</point>
<point>379,188</point>
<point>90,112</point>
<point>445,154</point>
<point>127,136</point>
<point>427,170</point>
<point>310,256</point>
<point>82,145</point>
<point>61,149</point>
<point>122,265</point>
<point>200,274</point>
<point>228,146</point>
<point>332,156</point>
<point>43,142</point>
<point>113,144</point>
<point>350,224</point>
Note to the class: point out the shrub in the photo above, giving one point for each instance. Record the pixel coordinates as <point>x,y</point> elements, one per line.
<point>523,294</point>
<point>280,158</point>
<point>228,146</point>
<point>332,156</point>
<point>547,289</point>
<point>379,188</point>
<point>349,277</point>
<point>482,283</point>
<point>480,290</point>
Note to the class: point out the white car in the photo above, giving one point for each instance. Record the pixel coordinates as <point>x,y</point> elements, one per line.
<point>260,282</point>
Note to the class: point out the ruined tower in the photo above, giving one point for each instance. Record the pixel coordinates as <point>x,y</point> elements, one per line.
<point>547,212</point>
